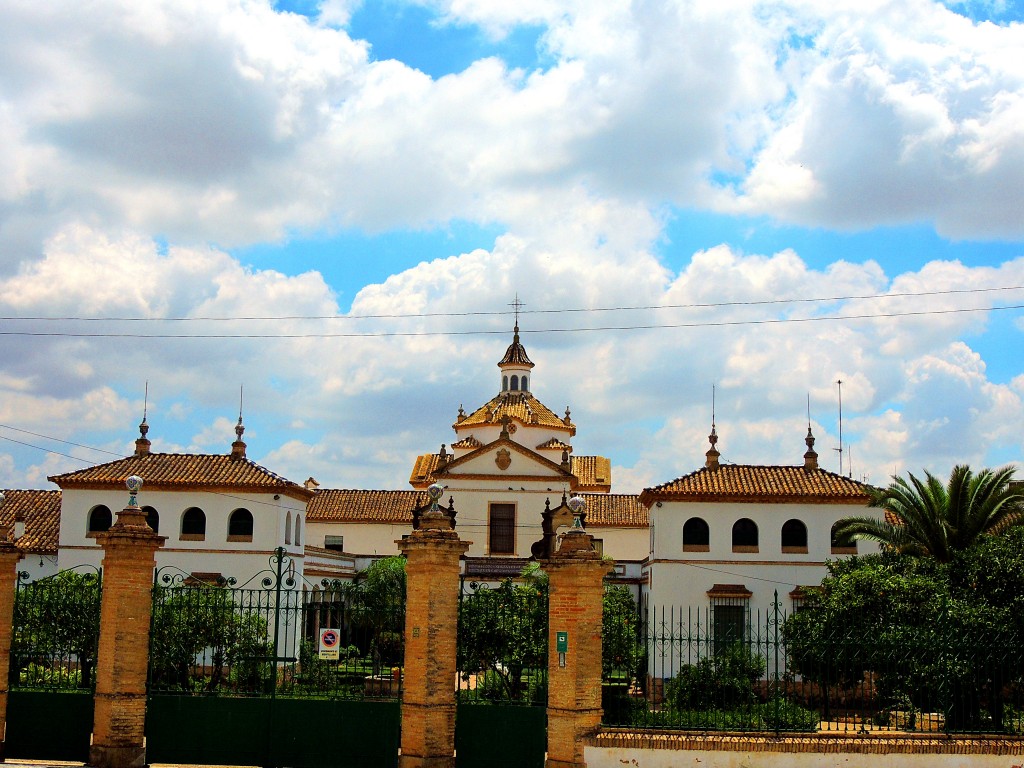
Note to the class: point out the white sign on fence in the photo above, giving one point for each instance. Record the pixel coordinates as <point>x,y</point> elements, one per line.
<point>330,639</point>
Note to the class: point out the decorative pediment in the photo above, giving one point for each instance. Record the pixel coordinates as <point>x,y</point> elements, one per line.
<point>501,458</point>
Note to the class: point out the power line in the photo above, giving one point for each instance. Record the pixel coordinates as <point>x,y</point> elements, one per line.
<point>496,313</point>
<point>400,334</point>
<point>54,439</point>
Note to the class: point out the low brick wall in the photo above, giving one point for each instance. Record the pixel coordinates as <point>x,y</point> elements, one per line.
<point>614,748</point>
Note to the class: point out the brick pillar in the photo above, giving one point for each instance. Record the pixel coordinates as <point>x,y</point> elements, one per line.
<point>9,557</point>
<point>121,665</point>
<point>431,624</point>
<point>575,605</point>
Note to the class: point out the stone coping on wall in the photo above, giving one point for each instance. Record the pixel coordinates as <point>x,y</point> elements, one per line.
<point>857,743</point>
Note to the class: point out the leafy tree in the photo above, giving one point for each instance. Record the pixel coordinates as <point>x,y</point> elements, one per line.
<point>56,622</point>
<point>936,519</point>
<point>503,634</point>
<point>620,646</point>
<point>377,605</point>
<point>941,636</point>
<point>202,640</point>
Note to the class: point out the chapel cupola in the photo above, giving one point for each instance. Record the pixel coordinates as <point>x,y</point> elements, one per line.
<point>515,366</point>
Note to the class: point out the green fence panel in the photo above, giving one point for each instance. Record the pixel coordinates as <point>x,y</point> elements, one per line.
<point>354,734</point>
<point>223,730</point>
<point>48,725</point>
<point>207,730</point>
<point>500,736</point>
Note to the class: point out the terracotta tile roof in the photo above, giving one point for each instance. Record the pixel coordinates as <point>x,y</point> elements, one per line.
<point>593,472</point>
<point>521,406</point>
<point>750,483</point>
<point>174,471</point>
<point>355,506</point>
<point>42,518</point>
<point>615,510</point>
<point>424,468</point>
<point>554,444</point>
<point>468,442</point>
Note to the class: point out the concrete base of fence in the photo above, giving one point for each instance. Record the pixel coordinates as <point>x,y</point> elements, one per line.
<point>615,748</point>
<point>118,757</point>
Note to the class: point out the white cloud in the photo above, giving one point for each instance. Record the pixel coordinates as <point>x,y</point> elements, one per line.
<point>227,121</point>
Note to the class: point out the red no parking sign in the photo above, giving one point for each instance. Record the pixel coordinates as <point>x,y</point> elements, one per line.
<point>329,642</point>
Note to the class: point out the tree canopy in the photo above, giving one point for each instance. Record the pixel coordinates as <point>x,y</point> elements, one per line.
<point>927,517</point>
<point>938,636</point>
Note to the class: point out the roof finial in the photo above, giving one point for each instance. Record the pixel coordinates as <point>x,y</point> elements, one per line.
<point>810,458</point>
<point>712,454</point>
<point>238,447</point>
<point>143,443</point>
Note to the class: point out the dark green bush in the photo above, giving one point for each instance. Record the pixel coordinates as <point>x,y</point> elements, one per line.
<point>723,681</point>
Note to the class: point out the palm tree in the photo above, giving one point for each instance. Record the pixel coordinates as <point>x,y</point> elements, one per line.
<point>925,517</point>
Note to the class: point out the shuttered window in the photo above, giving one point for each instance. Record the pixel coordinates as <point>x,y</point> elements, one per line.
<point>502,529</point>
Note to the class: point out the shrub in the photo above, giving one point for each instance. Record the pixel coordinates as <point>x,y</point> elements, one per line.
<point>724,681</point>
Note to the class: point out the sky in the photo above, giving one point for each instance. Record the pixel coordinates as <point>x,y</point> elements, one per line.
<point>320,214</point>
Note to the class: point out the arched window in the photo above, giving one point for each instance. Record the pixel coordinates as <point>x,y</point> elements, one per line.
<point>846,545</point>
<point>288,528</point>
<point>744,535</point>
<point>240,525</point>
<point>298,530</point>
<point>193,524</point>
<point>152,518</point>
<point>696,535</point>
<point>794,536</point>
<point>100,519</point>
<point>504,383</point>
<point>525,384</point>
<point>515,383</point>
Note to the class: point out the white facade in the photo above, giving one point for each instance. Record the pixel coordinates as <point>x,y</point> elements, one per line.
<point>681,575</point>
<point>214,551</point>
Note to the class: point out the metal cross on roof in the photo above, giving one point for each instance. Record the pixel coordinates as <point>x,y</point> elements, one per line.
<point>516,306</point>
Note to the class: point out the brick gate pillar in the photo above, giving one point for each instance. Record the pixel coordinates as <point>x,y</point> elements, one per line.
<point>9,557</point>
<point>122,661</point>
<point>575,608</point>
<point>431,625</point>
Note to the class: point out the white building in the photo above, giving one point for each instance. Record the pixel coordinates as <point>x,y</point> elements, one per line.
<point>512,465</point>
<point>729,537</point>
<point>223,515</point>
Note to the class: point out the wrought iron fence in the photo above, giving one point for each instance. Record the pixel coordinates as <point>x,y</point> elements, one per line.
<point>726,667</point>
<point>263,638</point>
<point>56,631</point>
<point>502,642</point>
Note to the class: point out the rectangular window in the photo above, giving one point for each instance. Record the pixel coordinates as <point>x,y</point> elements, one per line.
<point>334,543</point>
<point>730,624</point>
<point>502,529</point>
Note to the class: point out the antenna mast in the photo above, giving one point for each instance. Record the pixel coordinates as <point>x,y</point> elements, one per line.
<point>840,448</point>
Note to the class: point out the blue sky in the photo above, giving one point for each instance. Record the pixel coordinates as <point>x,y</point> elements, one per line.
<point>760,198</point>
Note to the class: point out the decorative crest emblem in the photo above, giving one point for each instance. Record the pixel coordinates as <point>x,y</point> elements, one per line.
<point>503,459</point>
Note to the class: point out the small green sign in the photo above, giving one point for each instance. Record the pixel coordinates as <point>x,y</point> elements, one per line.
<point>562,642</point>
